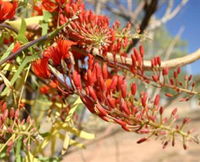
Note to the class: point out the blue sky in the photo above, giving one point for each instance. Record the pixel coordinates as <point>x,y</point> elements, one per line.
<point>189,18</point>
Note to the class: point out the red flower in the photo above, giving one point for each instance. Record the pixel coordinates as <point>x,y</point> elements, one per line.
<point>49,5</point>
<point>40,68</point>
<point>45,89</point>
<point>90,29</point>
<point>59,51</point>
<point>7,10</point>
<point>55,5</point>
<point>16,47</point>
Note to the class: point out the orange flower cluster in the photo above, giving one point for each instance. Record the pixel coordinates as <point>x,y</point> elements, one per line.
<point>89,30</point>
<point>102,89</point>
<point>55,53</point>
<point>7,10</point>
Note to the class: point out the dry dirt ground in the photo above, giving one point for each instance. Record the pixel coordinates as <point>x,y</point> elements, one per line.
<point>122,147</point>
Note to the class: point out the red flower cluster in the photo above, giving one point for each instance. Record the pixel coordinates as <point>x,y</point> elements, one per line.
<point>107,95</point>
<point>10,122</point>
<point>104,92</point>
<point>7,10</point>
<point>88,30</point>
<point>56,52</point>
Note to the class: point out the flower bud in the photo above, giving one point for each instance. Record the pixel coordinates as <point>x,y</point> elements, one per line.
<point>144,99</point>
<point>3,107</point>
<point>175,74</point>
<point>165,71</point>
<point>123,90</point>
<point>88,103</point>
<point>5,115</point>
<point>168,95</point>
<point>124,107</point>
<point>141,48</point>
<point>119,121</point>
<point>111,101</point>
<point>157,100</point>
<point>12,113</point>
<point>77,80</point>
<point>92,93</point>
<point>155,78</point>
<point>142,140</point>
<point>105,71</point>
<point>161,110</point>
<point>165,144</point>
<point>98,70</point>
<point>101,110</point>
<point>190,78</point>
<point>174,112</point>
<point>186,120</point>
<point>158,60</point>
<point>102,84</point>
<point>125,128</point>
<point>90,77</point>
<point>133,88</point>
<point>178,70</point>
<point>113,83</point>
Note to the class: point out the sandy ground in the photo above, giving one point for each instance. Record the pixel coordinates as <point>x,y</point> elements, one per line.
<point>122,147</point>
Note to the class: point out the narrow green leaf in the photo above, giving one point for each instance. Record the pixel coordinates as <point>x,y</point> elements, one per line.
<point>27,60</point>
<point>18,149</point>
<point>46,19</point>
<point>1,38</point>
<point>65,143</point>
<point>6,81</point>
<point>30,158</point>
<point>80,133</point>
<point>29,21</point>
<point>73,108</point>
<point>76,143</point>
<point>8,51</point>
<point>21,36</point>
<point>9,67</point>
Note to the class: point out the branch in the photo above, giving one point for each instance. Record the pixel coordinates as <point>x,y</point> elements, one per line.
<point>127,61</point>
<point>149,9</point>
<point>40,39</point>
<point>168,15</point>
<point>3,25</point>
<point>26,46</point>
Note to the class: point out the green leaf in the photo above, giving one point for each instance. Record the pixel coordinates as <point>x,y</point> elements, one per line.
<point>21,36</point>
<point>65,143</point>
<point>45,134</point>
<point>73,108</point>
<point>29,21</point>
<point>9,67</point>
<point>75,143</point>
<point>6,81</point>
<point>27,60</point>
<point>80,133</point>
<point>86,135</point>
<point>1,38</point>
<point>18,149</point>
<point>8,51</point>
<point>30,158</point>
<point>46,19</point>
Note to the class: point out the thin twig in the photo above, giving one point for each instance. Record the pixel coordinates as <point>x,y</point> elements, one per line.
<point>168,14</point>
<point>40,39</point>
<point>3,25</point>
